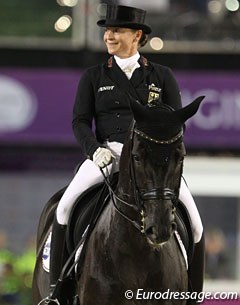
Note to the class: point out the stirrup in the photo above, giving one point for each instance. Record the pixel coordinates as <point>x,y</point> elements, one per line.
<point>47,300</point>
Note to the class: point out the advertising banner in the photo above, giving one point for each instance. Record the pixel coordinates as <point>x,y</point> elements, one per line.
<point>36,107</point>
<point>217,123</point>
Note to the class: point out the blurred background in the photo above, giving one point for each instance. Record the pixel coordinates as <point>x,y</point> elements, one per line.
<point>44,48</point>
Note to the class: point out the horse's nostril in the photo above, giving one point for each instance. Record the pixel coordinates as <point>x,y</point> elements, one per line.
<point>149,231</point>
<point>174,226</point>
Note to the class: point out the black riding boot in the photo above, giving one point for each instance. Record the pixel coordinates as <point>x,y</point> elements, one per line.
<point>57,257</point>
<point>196,269</point>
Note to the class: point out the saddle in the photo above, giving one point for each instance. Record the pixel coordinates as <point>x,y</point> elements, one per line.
<point>91,203</point>
<point>86,210</point>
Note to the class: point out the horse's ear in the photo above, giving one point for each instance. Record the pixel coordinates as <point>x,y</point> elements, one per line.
<point>187,112</point>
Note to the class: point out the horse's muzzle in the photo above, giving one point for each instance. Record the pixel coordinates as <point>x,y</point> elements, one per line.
<point>156,237</point>
<point>159,234</point>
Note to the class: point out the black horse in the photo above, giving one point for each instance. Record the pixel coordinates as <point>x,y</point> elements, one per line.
<point>132,255</point>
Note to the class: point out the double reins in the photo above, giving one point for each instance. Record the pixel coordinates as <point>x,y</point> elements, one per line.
<point>115,197</point>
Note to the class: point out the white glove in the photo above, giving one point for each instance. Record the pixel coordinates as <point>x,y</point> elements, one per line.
<point>102,157</point>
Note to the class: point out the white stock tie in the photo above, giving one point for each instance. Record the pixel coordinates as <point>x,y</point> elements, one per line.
<point>128,65</point>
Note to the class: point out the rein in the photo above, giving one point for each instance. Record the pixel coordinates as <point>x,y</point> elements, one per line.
<point>141,195</point>
<point>114,196</point>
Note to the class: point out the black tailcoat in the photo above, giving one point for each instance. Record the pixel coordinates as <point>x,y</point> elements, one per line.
<point>103,96</point>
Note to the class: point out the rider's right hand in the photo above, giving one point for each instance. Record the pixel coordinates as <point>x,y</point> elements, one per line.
<point>102,157</point>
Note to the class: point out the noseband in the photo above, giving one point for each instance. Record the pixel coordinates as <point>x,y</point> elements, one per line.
<point>155,194</point>
<point>142,195</point>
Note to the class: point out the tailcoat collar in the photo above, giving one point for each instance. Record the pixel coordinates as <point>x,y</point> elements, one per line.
<point>139,76</point>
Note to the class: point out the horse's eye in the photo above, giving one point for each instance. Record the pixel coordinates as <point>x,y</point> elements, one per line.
<point>136,158</point>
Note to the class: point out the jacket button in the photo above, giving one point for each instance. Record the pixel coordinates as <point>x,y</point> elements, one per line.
<point>118,115</point>
<point>119,128</point>
<point>117,102</point>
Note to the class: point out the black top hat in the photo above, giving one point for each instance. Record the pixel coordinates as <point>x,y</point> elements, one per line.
<point>125,17</point>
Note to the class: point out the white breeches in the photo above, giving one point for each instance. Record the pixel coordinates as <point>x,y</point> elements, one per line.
<point>87,175</point>
<point>186,197</point>
<point>90,174</point>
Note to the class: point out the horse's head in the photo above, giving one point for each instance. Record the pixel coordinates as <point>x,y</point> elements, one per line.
<point>156,162</point>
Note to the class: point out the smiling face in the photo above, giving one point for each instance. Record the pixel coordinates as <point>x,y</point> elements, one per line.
<point>122,42</point>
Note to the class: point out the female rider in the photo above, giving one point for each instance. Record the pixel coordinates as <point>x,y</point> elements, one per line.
<point>103,96</point>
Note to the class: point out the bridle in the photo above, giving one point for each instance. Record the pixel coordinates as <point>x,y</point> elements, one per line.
<point>142,195</point>
<point>163,142</point>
